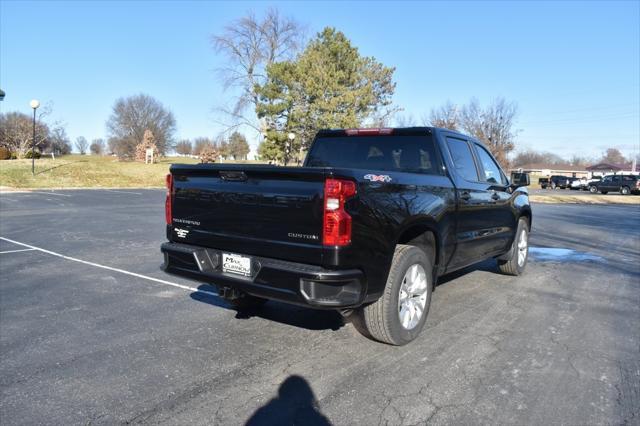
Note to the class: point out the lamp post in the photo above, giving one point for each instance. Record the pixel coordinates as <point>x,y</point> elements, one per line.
<point>34,104</point>
<point>291,136</point>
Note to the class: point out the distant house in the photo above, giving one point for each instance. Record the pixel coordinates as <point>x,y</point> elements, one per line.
<point>553,169</point>
<point>602,169</point>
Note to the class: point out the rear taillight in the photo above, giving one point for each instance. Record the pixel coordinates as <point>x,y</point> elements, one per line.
<point>337,222</point>
<point>167,204</point>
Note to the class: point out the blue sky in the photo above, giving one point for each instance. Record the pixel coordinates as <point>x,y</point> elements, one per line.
<point>573,68</point>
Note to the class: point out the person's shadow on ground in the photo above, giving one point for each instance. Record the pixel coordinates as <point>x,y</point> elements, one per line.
<point>295,404</point>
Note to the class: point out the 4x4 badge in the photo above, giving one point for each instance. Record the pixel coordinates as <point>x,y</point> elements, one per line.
<point>181,232</point>
<point>378,178</point>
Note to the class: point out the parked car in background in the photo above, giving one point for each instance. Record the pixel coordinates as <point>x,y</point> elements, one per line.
<point>557,181</point>
<point>624,184</point>
<point>575,183</point>
<point>587,182</point>
<point>543,182</point>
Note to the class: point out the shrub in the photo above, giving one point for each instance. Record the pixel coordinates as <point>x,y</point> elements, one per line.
<point>5,154</point>
<point>34,154</point>
<point>209,154</point>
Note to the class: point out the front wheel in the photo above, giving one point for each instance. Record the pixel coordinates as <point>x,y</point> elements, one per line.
<point>593,190</point>
<point>519,253</point>
<point>399,315</point>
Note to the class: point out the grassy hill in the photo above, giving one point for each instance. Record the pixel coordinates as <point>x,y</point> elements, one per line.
<point>85,171</point>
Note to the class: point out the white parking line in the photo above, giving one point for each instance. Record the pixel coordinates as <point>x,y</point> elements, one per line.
<point>124,192</point>
<point>109,268</point>
<point>16,251</point>
<point>48,193</point>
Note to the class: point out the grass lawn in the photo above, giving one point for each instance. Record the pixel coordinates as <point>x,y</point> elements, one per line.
<point>584,199</point>
<point>85,171</point>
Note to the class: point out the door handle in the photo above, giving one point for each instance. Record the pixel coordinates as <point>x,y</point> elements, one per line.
<point>465,196</point>
<point>495,196</point>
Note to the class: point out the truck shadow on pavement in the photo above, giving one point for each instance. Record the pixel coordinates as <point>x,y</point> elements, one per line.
<point>295,404</point>
<point>307,318</point>
<point>489,265</point>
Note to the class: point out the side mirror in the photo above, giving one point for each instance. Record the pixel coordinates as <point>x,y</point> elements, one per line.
<point>519,179</point>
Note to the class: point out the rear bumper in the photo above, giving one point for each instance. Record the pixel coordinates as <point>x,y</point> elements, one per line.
<point>297,283</point>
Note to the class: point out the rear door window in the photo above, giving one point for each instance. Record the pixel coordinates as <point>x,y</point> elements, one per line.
<point>490,168</point>
<point>400,153</point>
<point>462,158</point>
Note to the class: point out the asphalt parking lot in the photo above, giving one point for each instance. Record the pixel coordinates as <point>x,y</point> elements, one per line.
<point>92,332</point>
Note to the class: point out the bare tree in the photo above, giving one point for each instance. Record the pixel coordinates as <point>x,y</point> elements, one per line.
<point>613,156</point>
<point>16,132</point>
<point>404,120</point>
<point>577,160</point>
<point>184,147</point>
<point>492,125</point>
<point>82,145</point>
<point>446,116</point>
<point>112,145</point>
<point>530,156</point>
<point>59,141</point>
<point>200,144</point>
<point>97,147</point>
<point>250,45</point>
<point>132,116</point>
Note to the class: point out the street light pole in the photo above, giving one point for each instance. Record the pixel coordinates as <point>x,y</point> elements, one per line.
<point>291,136</point>
<point>34,104</point>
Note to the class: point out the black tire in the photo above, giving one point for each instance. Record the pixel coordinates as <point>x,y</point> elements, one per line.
<point>625,190</point>
<point>604,192</point>
<point>593,189</point>
<point>247,302</point>
<point>381,319</point>
<point>510,265</point>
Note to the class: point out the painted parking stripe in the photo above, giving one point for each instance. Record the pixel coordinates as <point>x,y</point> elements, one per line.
<point>16,251</point>
<point>123,192</point>
<point>109,268</point>
<point>49,193</point>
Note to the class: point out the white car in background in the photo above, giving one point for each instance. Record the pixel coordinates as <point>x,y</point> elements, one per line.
<point>577,183</point>
<point>588,182</point>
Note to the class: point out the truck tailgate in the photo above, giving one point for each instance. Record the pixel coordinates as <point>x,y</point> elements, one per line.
<point>268,211</point>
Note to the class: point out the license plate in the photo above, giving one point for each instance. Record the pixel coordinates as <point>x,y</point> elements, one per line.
<point>236,264</point>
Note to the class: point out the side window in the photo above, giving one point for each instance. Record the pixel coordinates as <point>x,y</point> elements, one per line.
<point>462,159</point>
<point>616,179</point>
<point>491,170</point>
<point>606,179</point>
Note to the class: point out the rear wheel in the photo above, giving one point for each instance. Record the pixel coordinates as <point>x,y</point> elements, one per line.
<point>399,315</point>
<point>625,190</point>
<point>517,257</point>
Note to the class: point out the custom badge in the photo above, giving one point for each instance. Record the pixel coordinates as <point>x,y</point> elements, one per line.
<point>378,178</point>
<point>182,233</point>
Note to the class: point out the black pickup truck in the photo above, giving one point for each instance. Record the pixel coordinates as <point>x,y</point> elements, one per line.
<point>366,227</point>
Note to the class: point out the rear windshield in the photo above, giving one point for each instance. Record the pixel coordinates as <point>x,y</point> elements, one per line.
<point>392,153</point>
